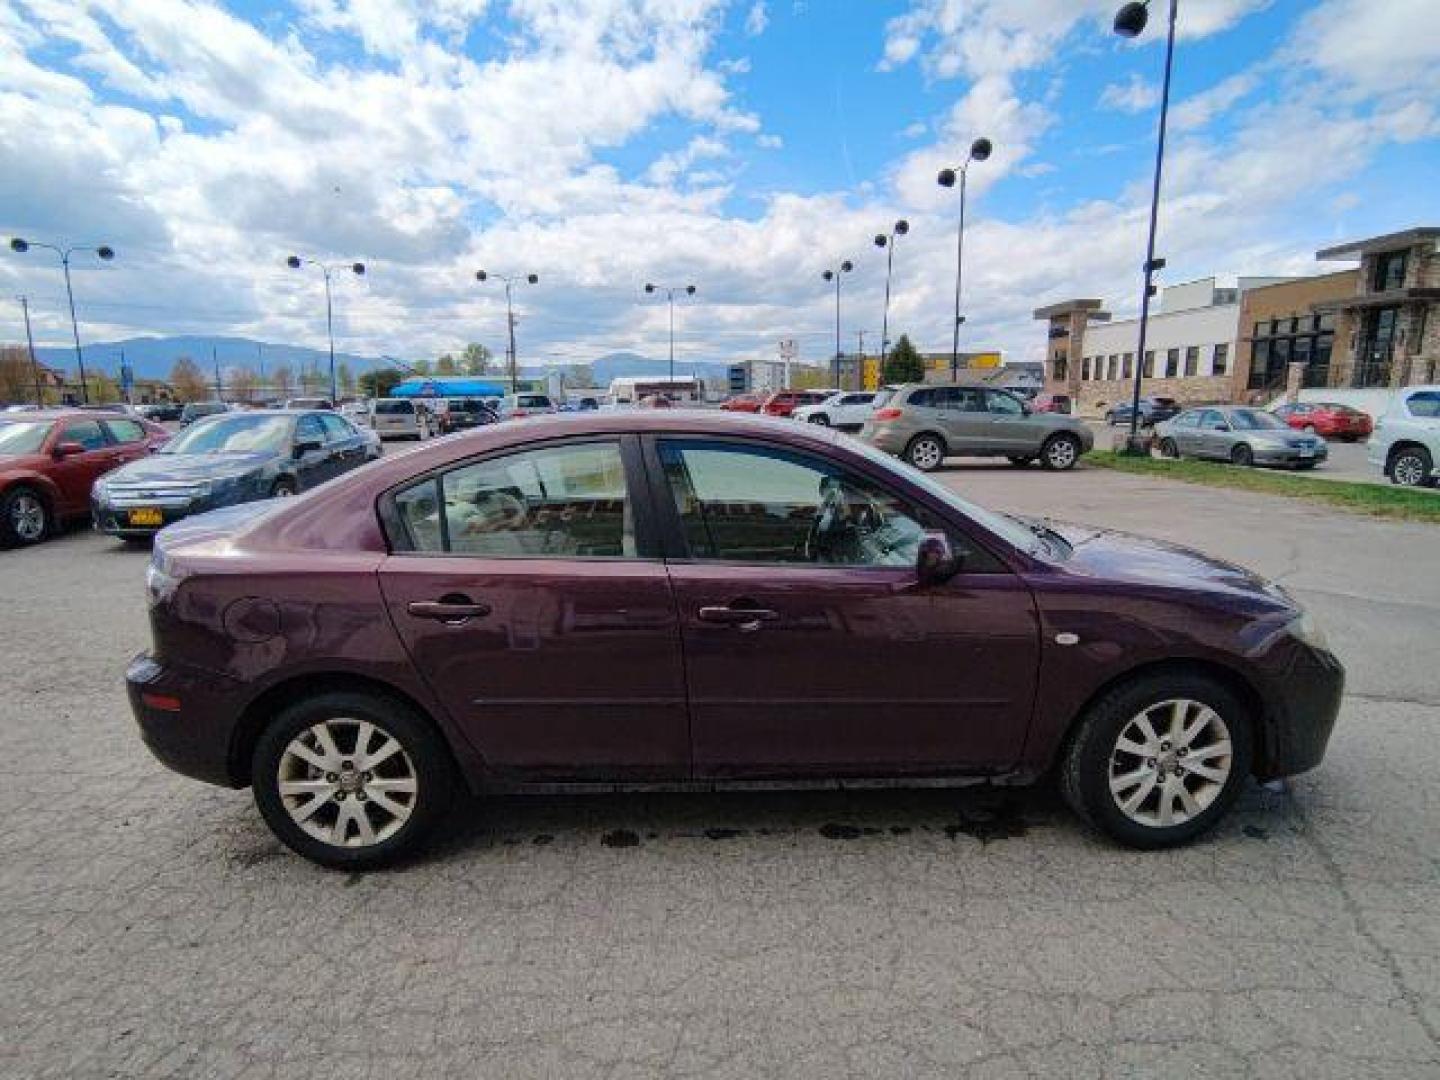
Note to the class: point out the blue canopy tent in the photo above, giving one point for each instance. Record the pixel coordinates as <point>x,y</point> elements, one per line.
<point>444,386</point>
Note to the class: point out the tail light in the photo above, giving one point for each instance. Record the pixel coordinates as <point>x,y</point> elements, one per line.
<point>888,413</point>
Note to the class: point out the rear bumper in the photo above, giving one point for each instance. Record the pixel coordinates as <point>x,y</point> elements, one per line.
<point>195,738</point>
<point>1278,455</point>
<point>1302,713</point>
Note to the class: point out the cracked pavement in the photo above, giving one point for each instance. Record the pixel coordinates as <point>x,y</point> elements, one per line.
<point>151,927</point>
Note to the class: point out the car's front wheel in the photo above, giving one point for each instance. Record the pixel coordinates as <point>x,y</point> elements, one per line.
<point>351,780</point>
<point>1060,452</point>
<point>925,452</point>
<point>1410,467</point>
<point>1169,449</point>
<point>283,488</point>
<point>1158,760</point>
<point>24,517</point>
<point>1241,454</point>
<point>821,419</point>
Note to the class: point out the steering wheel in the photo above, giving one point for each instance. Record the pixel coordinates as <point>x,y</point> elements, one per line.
<point>828,516</point>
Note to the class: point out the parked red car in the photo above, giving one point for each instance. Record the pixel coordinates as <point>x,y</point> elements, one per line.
<point>1327,419</point>
<point>49,460</point>
<point>682,597</point>
<point>1051,403</point>
<point>744,403</point>
<point>785,402</point>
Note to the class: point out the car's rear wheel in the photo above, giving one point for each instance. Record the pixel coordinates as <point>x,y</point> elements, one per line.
<point>1060,452</point>
<point>1021,460</point>
<point>24,517</point>
<point>1410,467</point>
<point>1169,449</point>
<point>1241,454</point>
<point>1157,761</point>
<point>283,488</point>
<point>351,780</point>
<point>925,452</point>
<point>821,419</point>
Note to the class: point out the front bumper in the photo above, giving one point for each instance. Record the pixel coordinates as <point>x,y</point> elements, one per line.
<point>115,521</point>
<point>195,738</point>
<point>1302,713</point>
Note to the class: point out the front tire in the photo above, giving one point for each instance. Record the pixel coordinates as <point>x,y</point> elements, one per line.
<point>1158,760</point>
<point>821,419</point>
<point>1169,449</point>
<point>1242,455</point>
<point>1060,452</point>
<point>1411,467</point>
<point>284,488</point>
<point>24,517</point>
<point>925,452</point>
<point>352,781</point>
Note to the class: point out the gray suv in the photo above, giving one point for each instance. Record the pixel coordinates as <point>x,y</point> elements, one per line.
<point>925,424</point>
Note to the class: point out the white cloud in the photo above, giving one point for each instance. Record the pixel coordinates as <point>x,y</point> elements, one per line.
<point>1200,109</point>
<point>757,19</point>
<point>914,130</point>
<point>1132,96</point>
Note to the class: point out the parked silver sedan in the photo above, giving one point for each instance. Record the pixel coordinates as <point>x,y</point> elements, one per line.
<point>1239,436</point>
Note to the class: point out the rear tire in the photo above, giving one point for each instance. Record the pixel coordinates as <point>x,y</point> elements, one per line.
<point>24,517</point>
<point>1410,467</point>
<point>1060,452</point>
<point>1168,449</point>
<point>365,805</point>
<point>925,452</point>
<point>821,419</point>
<point>1242,455</point>
<point>283,488</point>
<point>1123,783</point>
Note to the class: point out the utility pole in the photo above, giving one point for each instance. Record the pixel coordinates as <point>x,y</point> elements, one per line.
<point>260,362</point>
<point>34,363</point>
<point>215,359</point>
<point>860,360</point>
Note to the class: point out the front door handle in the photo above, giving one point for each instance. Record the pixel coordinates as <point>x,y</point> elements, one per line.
<point>744,618</point>
<point>452,610</point>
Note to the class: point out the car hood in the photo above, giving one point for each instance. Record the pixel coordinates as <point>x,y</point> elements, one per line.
<point>1125,557</point>
<point>192,466</point>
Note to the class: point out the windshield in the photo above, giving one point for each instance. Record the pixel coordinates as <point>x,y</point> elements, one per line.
<point>469,405</point>
<point>1007,528</point>
<point>234,435</point>
<point>1254,420</point>
<point>22,437</point>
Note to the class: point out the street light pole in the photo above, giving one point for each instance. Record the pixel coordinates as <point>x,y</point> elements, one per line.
<point>34,363</point>
<point>356,268</point>
<point>529,279</point>
<point>105,253</point>
<point>979,150</point>
<point>670,291</point>
<point>834,275</point>
<point>1130,21</point>
<point>900,228</point>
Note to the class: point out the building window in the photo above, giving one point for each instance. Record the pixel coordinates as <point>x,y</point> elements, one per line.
<point>1062,364</point>
<point>1128,367</point>
<point>1376,347</point>
<point>1112,369</point>
<point>1221,360</point>
<point>1310,343</point>
<point>1390,270</point>
<point>1192,360</point>
<point>1085,369</point>
<point>1149,363</point>
<point>1172,363</point>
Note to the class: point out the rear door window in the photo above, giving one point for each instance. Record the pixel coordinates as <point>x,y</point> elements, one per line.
<point>126,431</point>
<point>87,433</point>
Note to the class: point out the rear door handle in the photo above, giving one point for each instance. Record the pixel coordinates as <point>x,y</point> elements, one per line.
<point>452,610</point>
<point>745,618</point>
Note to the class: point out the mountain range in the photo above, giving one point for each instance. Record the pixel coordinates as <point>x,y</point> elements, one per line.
<point>153,357</point>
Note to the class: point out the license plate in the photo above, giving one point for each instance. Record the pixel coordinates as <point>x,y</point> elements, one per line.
<point>146,515</point>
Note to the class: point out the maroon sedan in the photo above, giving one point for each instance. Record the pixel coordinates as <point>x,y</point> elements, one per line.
<point>50,459</point>
<point>679,597</point>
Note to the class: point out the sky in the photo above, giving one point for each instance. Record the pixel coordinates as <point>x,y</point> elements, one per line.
<point>742,147</point>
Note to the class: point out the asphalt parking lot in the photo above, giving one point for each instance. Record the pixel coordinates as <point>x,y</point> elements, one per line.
<point>151,927</point>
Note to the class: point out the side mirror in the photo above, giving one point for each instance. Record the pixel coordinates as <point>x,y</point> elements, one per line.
<point>306,447</point>
<point>68,449</point>
<point>936,561</point>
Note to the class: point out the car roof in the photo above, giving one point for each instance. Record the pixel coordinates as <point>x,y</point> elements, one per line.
<point>66,414</point>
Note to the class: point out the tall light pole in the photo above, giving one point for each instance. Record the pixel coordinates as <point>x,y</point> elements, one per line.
<point>356,268</point>
<point>1130,21</point>
<point>834,275</point>
<point>105,253</point>
<point>979,151</point>
<point>529,279</point>
<point>900,228</point>
<point>670,291</point>
<point>34,363</point>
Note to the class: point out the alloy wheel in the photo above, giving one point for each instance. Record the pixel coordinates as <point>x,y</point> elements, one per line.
<point>1170,763</point>
<point>1408,470</point>
<point>926,454</point>
<point>27,517</point>
<point>347,782</point>
<point>1061,453</point>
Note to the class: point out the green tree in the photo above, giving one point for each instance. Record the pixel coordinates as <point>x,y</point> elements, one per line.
<point>903,365</point>
<point>282,378</point>
<point>311,382</point>
<point>579,375</point>
<point>445,365</point>
<point>188,381</point>
<point>380,382</point>
<point>17,378</point>
<point>476,359</point>
<point>243,383</point>
<point>421,367</point>
<point>346,378</point>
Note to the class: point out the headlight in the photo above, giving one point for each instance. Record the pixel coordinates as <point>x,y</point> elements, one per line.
<point>100,489</point>
<point>1308,630</point>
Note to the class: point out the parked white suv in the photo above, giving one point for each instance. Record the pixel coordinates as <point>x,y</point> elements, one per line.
<point>400,418</point>
<point>1406,441</point>
<point>843,409</point>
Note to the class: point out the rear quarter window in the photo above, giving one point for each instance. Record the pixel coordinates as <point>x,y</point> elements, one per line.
<point>1425,405</point>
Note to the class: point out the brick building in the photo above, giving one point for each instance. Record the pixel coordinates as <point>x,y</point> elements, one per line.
<point>1283,324</point>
